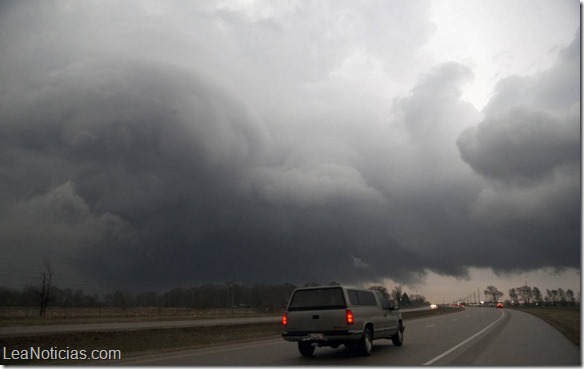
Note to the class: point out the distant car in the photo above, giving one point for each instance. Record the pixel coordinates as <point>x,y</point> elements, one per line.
<point>499,305</point>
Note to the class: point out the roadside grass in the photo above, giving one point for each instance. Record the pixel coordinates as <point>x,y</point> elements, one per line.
<point>56,315</point>
<point>565,320</point>
<point>141,341</point>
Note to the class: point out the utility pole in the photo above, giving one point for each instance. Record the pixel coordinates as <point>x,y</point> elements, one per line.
<point>232,295</point>
<point>479,294</point>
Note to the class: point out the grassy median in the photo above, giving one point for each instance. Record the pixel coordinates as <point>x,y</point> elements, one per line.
<point>145,340</point>
<point>10,316</point>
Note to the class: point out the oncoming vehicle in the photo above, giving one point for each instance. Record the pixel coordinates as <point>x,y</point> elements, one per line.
<point>338,315</point>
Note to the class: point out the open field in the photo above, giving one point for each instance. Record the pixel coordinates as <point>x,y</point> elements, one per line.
<point>143,341</point>
<point>10,316</point>
<point>565,320</point>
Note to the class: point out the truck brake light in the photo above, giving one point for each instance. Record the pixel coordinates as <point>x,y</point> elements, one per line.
<point>285,319</point>
<point>350,317</point>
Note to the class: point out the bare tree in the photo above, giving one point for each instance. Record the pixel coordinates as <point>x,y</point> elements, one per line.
<point>548,298</point>
<point>405,300</point>
<point>570,296</point>
<point>514,296</point>
<point>562,296</point>
<point>537,296</point>
<point>526,294</point>
<point>555,298</point>
<point>45,289</point>
<point>397,294</point>
<point>381,289</point>
<point>493,292</point>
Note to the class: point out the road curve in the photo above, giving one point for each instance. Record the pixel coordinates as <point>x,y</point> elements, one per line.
<point>475,336</point>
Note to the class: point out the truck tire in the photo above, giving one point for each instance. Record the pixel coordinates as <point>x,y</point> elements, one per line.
<point>366,343</point>
<point>306,349</point>
<point>398,338</point>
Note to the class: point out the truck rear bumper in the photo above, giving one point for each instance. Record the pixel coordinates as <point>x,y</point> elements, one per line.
<point>322,337</point>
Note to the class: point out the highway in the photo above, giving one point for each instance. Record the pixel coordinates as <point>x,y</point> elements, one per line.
<point>475,336</point>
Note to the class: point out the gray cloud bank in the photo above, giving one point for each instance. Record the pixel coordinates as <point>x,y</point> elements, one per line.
<point>179,143</point>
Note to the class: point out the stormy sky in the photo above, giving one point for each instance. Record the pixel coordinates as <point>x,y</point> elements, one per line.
<point>155,144</point>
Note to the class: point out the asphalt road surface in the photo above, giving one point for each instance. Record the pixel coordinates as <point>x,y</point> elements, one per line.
<point>475,336</point>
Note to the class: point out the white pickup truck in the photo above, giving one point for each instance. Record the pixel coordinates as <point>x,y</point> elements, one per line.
<point>338,315</point>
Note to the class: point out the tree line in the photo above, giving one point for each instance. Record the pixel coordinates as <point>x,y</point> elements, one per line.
<point>533,296</point>
<point>403,300</point>
<point>261,297</point>
<point>207,296</point>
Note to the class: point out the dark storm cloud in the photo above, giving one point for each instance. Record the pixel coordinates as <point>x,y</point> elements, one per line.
<point>526,143</point>
<point>528,147</point>
<point>531,126</point>
<point>439,92</point>
<point>150,146</point>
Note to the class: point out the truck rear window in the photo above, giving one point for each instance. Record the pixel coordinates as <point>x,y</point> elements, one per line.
<point>317,299</point>
<point>362,298</point>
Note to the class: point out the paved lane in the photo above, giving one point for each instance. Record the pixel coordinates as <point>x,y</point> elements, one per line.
<point>475,336</point>
<point>521,339</point>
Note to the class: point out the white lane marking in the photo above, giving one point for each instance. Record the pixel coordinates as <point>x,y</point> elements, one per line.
<point>464,342</point>
<point>429,326</point>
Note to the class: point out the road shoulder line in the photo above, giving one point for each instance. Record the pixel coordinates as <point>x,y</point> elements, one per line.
<point>442,355</point>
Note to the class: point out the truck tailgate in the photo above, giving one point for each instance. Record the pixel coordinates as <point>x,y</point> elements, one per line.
<point>317,320</point>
